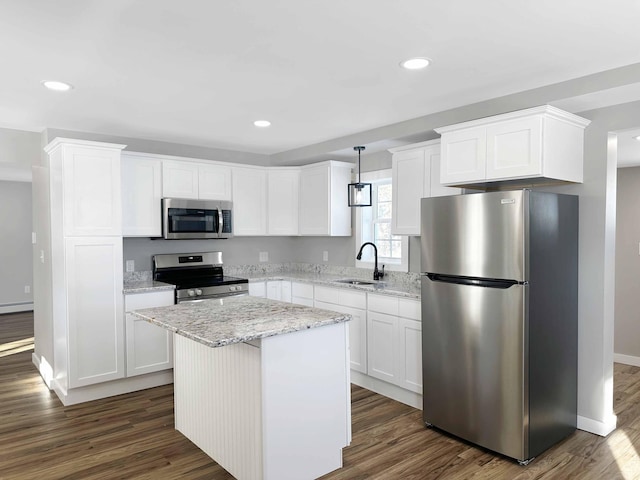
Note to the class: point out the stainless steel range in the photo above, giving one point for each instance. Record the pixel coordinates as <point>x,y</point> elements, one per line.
<point>197,276</point>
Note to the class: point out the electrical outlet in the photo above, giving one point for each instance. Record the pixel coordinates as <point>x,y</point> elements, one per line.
<point>131,265</point>
<point>27,289</point>
<point>264,256</point>
<point>33,238</point>
<point>325,256</point>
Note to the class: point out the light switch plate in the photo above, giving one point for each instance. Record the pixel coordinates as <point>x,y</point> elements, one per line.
<point>325,256</point>
<point>264,256</point>
<point>130,266</point>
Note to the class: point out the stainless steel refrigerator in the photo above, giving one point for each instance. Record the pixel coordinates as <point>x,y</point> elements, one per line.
<point>499,318</point>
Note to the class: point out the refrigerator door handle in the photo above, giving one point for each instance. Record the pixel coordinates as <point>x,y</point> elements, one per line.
<point>473,281</point>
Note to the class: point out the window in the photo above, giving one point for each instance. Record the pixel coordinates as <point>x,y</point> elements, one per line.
<point>373,224</point>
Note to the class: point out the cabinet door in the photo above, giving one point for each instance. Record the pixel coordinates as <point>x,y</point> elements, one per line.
<point>214,182</point>
<point>410,355</point>
<point>382,346</point>
<point>179,179</point>
<point>314,201</point>
<point>249,201</point>
<point>437,189</point>
<point>149,347</point>
<point>274,289</point>
<point>258,289</point>
<point>95,320</point>
<point>357,333</point>
<point>283,201</point>
<point>92,195</point>
<point>285,291</point>
<point>514,149</point>
<point>409,174</point>
<point>463,156</point>
<point>141,196</point>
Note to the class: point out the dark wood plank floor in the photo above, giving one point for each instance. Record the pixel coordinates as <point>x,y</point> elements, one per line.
<point>132,436</point>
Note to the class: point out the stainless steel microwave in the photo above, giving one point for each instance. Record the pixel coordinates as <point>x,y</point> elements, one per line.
<point>193,219</point>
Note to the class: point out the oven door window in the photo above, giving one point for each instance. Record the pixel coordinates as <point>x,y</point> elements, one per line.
<point>187,220</point>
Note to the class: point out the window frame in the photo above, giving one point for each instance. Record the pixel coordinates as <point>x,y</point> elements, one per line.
<point>403,264</point>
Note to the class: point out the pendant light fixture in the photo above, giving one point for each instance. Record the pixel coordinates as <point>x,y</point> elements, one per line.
<point>359,193</point>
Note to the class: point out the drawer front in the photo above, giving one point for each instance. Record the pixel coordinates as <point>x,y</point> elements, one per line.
<point>409,309</point>
<point>383,304</point>
<point>353,299</point>
<point>326,294</point>
<point>304,290</point>
<point>136,301</point>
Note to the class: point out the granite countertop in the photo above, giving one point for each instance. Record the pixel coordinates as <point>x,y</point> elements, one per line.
<point>146,285</point>
<point>330,280</point>
<point>220,322</point>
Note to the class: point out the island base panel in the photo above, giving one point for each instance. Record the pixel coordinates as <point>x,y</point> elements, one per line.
<point>278,408</point>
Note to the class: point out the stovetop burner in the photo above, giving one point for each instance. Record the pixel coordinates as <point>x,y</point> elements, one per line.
<point>197,276</point>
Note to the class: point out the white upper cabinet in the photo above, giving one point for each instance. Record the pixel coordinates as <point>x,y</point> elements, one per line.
<point>324,207</point>
<point>90,176</point>
<point>537,145</point>
<point>141,196</point>
<point>182,179</point>
<point>415,175</point>
<point>283,186</point>
<point>249,201</point>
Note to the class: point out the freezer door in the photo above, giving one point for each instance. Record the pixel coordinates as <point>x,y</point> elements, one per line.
<point>474,368</point>
<point>476,235</point>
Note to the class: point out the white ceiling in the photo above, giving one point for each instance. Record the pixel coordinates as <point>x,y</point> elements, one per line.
<point>200,72</point>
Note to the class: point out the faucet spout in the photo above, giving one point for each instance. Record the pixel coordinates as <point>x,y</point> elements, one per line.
<point>376,274</point>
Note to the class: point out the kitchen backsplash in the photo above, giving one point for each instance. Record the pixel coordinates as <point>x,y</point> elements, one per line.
<point>407,279</point>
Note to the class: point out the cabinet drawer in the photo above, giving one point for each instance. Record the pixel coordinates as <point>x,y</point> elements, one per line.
<point>349,298</point>
<point>136,301</point>
<point>304,290</point>
<point>326,294</point>
<point>383,304</point>
<point>408,308</point>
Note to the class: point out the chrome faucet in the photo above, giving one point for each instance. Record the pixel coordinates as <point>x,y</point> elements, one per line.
<point>376,274</point>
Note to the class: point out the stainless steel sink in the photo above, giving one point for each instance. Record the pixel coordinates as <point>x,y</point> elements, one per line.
<point>353,281</point>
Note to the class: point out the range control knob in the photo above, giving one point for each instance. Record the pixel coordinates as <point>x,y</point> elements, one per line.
<point>232,288</point>
<point>191,293</point>
<point>198,291</point>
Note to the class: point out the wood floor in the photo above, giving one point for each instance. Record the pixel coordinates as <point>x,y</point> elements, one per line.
<point>132,436</point>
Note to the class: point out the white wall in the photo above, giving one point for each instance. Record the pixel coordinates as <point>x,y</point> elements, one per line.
<point>627,307</point>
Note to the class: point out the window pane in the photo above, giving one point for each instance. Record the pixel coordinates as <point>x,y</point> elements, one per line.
<point>383,231</point>
<point>384,193</point>
<point>384,249</point>
<point>396,249</point>
<point>384,210</point>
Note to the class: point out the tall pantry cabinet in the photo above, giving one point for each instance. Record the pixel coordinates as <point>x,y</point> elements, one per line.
<point>86,265</point>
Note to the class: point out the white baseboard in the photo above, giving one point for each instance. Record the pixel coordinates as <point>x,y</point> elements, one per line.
<point>626,359</point>
<point>110,389</point>
<point>597,427</point>
<point>16,307</point>
<point>387,389</point>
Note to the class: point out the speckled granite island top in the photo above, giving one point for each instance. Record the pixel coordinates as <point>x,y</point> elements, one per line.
<point>217,323</point>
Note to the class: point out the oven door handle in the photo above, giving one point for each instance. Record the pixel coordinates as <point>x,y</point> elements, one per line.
<point>220,221</point>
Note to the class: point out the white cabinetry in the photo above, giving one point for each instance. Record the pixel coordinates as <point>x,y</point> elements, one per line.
<point>302,293</point>
<point>353,303</point>
<point>249,201</point>
<point>324,208</point>
<point>258,289</point>
<point>95,333</point>
<point>282,201</point>
<point>149,347</point>
<point>415,175</point>
<point>394,341</point>
<point>279,290</point>
<point>539,144</point>
<point>141,195</point>
<point>195,180</point>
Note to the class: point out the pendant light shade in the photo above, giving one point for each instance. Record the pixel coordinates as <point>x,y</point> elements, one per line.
<point>359,193</point>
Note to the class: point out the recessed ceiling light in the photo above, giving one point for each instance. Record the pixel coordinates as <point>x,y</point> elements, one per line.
<point>57,86</point>
<point>262,123</point>
<point>637,137</point>
<point>415,63</point>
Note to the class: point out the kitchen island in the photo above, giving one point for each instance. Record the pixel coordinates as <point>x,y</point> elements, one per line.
<point>274,402</point>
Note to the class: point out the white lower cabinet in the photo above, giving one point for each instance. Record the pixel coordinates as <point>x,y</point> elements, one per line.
<point>258,289</point>
<point>394,341</point>
<point>279,290</point>
<point>302,293</point>
<point>353,303</point>
<point>149,347</point>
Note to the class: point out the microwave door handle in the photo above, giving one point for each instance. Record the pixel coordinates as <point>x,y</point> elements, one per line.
<point>220,221</point>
